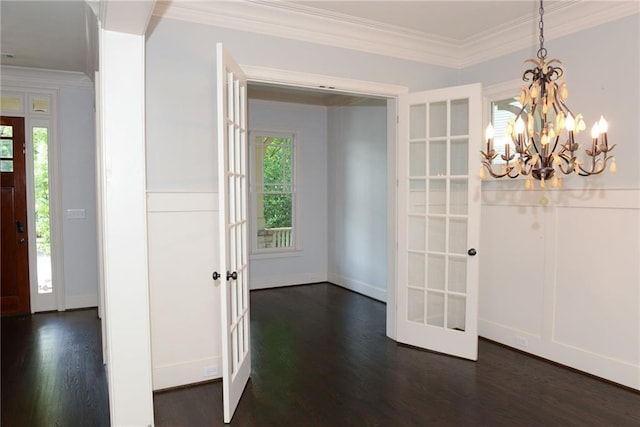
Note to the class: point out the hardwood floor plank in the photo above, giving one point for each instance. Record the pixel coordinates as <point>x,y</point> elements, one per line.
<point>321,358</point>
<point>52,372</point>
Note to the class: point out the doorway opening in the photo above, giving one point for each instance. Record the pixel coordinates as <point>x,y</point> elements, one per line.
<point>344,162</point>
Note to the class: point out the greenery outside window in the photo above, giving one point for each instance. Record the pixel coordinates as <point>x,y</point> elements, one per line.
<point>272,165</point>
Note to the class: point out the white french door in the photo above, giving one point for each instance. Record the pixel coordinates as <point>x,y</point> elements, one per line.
<point>232,183</point>
<point>438,220</point>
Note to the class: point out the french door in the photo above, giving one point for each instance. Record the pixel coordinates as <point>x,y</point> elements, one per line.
<point>438,220</point>
<point>232,184</point>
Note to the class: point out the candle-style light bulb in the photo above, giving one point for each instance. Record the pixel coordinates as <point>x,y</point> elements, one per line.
<point>490,132</point>
<point>613,168</point>
<point>569,123</point>
<point>603,125</point>
<point>595,131</point>
<point>519,126</point>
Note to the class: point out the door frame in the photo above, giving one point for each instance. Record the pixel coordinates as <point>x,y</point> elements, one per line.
<point>26,93</point>
<point>391,92</point>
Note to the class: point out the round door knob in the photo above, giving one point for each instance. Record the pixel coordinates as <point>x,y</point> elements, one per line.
<point>215,275</point>
<point>21,241</point>
<point>472,252</point>
<point>233,275</point>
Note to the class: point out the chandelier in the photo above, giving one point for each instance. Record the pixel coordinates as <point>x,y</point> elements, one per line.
<point>544,130</point>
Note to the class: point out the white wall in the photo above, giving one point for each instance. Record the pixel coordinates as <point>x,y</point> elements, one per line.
<point>309,122</point>
<point>563,281</point>
<point>77,139</point>
<point>358,199</point>
<point>181,159</point>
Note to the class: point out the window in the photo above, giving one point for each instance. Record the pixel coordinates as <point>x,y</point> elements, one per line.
<point>272,191</point>
<point>43,222</point>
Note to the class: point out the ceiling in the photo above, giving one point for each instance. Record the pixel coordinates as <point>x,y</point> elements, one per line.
<point>53,34</point>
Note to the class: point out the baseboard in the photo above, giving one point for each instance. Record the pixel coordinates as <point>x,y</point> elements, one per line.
<point>189,372</point>
<point>266,282</point>
<point>602,366</point>
<point>359,287</point>
<point>80,301</point>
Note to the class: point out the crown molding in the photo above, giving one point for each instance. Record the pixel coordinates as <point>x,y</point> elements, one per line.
<point>298,22</point>
<point>42,78</point>
<point>560,20</point>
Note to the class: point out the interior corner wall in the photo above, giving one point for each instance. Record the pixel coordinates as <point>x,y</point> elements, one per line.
<point>357,179</point>
<point>559,273</point>
<point>309,123</point>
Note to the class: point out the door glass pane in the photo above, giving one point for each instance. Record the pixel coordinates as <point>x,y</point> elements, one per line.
<point>437,119</point>
<point>418,121</point>
<point>6,131</point>
<point>437,158</point>
<point>416,305</point>
<point>457,274</point>
<point>6,165</point>
<point>458,235</point>
<point>458,197</point>
<point>459,117</point>
<point>456,312</point>
<point>435,308</point>
<point>436,271</point>
<point>417,196</point>
<point>437,234</point>
<point>6,148</point>
<point>437,196</point>
<point>41,182</point>
<point>416,270</point>
<point>416,233</point>
<point>459,157</point>
<point>417,159</point>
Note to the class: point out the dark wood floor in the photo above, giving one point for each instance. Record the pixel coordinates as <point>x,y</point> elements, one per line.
<point>52,372</point>
<point>321,358</point>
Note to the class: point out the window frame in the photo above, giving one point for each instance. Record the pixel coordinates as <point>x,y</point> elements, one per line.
<point>491,94</point>
<point>295,250</point>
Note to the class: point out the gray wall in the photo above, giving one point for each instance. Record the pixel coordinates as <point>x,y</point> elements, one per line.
<point>358,198</point>
<point>309,122</point>
<point>77,138</point>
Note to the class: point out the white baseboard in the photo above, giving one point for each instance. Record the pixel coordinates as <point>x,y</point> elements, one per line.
<point>189,372</point>
<point>266,282</point>
<point>80,301</point>
<point>359,287</point>
<point>618,371</point>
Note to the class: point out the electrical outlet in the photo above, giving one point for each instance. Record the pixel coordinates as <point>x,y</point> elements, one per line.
<point>522,342</point>
<point>210,371</point>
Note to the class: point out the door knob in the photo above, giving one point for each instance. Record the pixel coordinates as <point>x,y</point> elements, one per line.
<point>215,275</point>
<point>472,252</point>
<point>21,241</point>
<point>233,275</point>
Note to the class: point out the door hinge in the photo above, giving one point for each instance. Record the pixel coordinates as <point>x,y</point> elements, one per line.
<point>398,119</point>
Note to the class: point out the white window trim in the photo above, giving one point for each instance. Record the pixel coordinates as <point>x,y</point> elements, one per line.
<point>490,94</point>
<point>296,250</point>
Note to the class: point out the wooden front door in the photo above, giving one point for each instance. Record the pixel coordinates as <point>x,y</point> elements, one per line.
<point>14,250</point>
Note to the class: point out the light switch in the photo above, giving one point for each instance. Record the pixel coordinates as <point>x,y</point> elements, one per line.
<point>76,214</point>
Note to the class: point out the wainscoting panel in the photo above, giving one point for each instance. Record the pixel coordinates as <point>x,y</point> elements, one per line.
<point>184,300</point>
<point>560,277</point>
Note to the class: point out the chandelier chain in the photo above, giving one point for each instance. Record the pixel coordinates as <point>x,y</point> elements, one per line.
<point>542,52</point>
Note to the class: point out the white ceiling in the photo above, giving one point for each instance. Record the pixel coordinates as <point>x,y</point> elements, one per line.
<point>52,34</point>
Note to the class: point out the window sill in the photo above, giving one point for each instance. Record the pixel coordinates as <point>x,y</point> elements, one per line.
<point>275,254</point>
